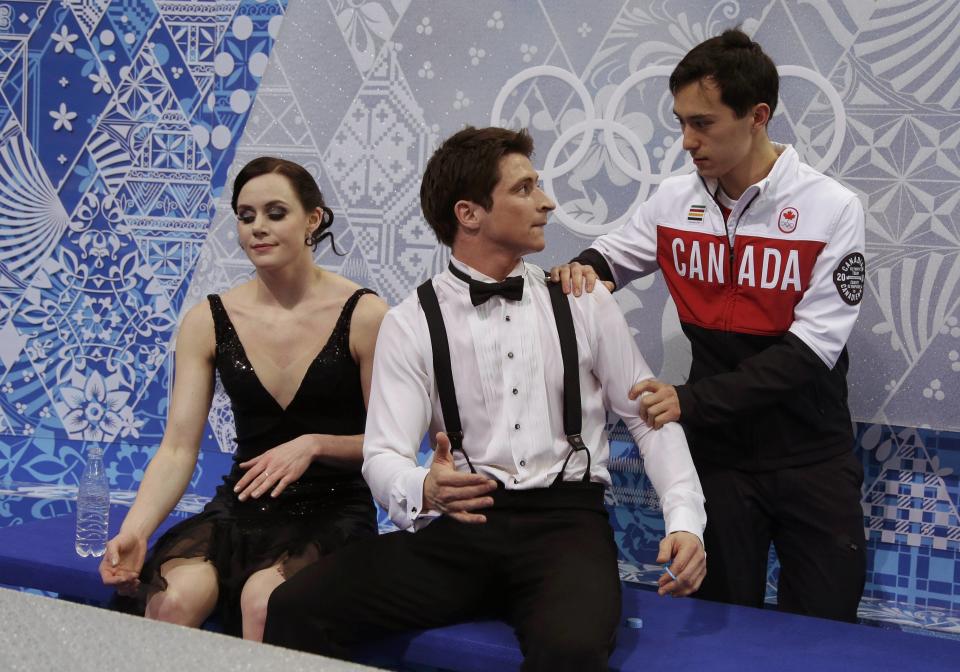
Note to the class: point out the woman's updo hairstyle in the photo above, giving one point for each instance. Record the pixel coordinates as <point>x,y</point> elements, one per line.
<point>303,184</point>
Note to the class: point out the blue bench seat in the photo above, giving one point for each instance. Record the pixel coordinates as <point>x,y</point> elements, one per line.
<point>675,633</point>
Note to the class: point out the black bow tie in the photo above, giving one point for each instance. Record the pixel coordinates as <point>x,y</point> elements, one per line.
<point>480,292</point>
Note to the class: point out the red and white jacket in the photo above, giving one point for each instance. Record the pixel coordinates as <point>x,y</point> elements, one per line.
<point>767,298</point>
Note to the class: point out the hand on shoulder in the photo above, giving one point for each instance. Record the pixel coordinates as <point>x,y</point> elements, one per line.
<point>577,278</point>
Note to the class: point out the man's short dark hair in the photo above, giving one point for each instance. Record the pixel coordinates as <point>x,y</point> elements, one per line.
<point>745,75</point>
<point>466,167</point>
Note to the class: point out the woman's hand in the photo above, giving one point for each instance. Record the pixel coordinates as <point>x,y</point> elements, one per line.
<point>122,562</point>
<point>276,468</point>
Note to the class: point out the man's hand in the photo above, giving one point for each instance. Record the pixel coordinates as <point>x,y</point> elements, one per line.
<point>276,468</point>
<point>454,493</point>
<point>687,560</point>
<point>659,403</point>
<point>576,277</point>
<point>122,562</point>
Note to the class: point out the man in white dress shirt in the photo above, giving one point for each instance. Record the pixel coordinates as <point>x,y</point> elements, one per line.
<point>513,388</point>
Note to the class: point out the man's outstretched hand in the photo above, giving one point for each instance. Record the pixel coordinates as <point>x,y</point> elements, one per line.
<point>454,493</point>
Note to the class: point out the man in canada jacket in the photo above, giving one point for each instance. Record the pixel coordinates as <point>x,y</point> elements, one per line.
<point>763,256</point>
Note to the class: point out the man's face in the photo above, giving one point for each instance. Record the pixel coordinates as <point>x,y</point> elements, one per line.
<point>519,212</point>
<point>717,141</point>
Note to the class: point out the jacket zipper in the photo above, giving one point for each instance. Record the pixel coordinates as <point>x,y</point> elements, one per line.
<point>731,295</point>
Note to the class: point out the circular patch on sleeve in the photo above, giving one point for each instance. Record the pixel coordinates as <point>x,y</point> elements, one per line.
<point>850,277</point>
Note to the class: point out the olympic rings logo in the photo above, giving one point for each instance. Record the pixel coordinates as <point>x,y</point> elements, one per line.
<point>640,171</point>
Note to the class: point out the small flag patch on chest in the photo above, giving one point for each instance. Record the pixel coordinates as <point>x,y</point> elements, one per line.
<point>696,213</point>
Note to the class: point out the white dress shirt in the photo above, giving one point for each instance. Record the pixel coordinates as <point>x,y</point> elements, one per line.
<point>508,374</point>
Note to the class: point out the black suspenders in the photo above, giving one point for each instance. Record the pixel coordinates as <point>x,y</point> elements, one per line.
<point>441,368</point>
<point>572,417</point>
<point>572,414</point>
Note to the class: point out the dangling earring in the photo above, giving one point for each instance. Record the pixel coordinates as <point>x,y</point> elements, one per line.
<point>307,241</point>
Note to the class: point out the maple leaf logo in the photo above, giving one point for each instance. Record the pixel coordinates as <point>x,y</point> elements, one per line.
<point>788,220</point>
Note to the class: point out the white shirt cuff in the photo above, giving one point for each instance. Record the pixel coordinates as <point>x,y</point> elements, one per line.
<point>683,519</point>
<point>409,499</point>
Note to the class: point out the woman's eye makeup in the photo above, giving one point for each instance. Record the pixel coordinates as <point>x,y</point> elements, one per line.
<point>249,216</point>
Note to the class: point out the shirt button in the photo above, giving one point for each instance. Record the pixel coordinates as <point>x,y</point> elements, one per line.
<point>507,318</point>
<point>515,391</point>
<point>515,481</point>
<point>517,426</point>
<point>510,355</point>
<point>523,463</point>
<point>413,509</point>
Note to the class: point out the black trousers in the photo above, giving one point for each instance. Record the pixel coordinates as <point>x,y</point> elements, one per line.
<point>813,516</point>
<point>543,562</point>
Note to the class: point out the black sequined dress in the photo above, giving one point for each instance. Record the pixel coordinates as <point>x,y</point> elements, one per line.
<point>323,510</point>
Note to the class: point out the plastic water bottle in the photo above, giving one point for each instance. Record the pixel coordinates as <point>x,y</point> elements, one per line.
<point>93,506</point>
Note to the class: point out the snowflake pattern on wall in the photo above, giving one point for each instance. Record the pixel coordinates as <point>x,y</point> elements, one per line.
<point>118,122</point>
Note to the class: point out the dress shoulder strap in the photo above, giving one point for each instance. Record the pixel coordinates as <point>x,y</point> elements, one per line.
<point>342,328</point>
<point>222,326</point>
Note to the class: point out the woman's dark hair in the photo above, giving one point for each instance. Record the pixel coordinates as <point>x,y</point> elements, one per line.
<point>303,184</point>
<point>746,76</point>
<point>466,167</point>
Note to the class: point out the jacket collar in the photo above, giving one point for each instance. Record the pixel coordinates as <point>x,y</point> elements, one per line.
<point>783,168</point>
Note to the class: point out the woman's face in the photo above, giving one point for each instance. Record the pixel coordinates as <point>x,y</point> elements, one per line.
<point>272,225</point>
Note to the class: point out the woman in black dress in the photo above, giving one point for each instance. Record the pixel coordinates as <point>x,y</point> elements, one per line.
<point>294,350</point>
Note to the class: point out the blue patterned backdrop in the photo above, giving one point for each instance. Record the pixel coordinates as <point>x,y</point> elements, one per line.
<point>118,123</point>
<point>122,120</point>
